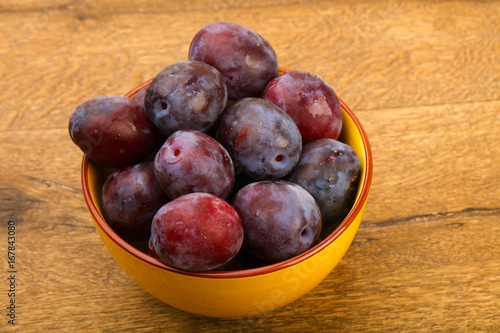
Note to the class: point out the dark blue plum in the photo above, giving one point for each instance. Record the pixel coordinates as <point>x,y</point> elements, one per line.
<point>186,95</point>
<point>262,139</point>
<point>329,170</point>
<point>280,219</point>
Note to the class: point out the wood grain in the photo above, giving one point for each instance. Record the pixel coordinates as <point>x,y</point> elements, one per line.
<point>422,76</point>
<point>80,54</point>
<point>445,152</point>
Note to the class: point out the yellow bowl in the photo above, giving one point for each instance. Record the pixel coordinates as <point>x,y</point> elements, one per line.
<point>250,292</point>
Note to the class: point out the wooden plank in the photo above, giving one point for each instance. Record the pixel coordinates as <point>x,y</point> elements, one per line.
<point>430,161</point>
<point>399,247</point>
<point>423,78</point>
<point>65,55</point>
<point>433,159</point>
<point>411,276</point>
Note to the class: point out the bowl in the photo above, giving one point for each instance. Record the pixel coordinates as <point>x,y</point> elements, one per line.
<point>243,293</point>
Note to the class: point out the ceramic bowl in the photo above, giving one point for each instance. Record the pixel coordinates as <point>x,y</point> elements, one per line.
<point>250,292</point>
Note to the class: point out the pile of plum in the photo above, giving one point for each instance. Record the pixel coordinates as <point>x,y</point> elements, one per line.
<point>221,162</point>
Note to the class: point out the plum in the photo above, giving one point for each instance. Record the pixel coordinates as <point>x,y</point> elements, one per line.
<point>190,161</point>
<point>234,264</point>
<point>196,232</point>
<point>244,58</point>
<point>113,130</point>
<point>130,197</point>
<point>310,101</point>
<point>260,137</point>
<point>329,170</point>
<point>186,95</point>
<point>280,219</point>
<point>140,95</point>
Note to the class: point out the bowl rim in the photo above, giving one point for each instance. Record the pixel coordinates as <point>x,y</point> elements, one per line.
<point>348,220</point>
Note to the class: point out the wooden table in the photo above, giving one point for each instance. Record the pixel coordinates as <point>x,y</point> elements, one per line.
<point>424,79</point>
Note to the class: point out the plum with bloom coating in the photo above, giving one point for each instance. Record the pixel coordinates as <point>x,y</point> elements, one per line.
<point>310,101</point>
<point>329,170</point>
<point>186,95</point>
<point>190,161</point>
<point>130,197</point>
<point>113,130</point>
<point>244,58</point>
<point>280,219</point>
<point>260,137</point>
